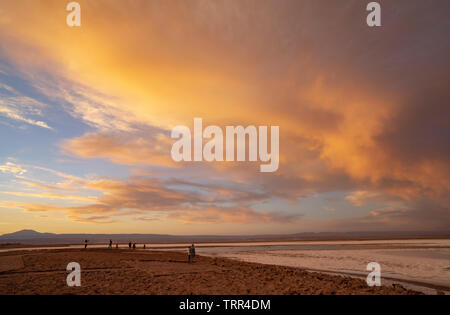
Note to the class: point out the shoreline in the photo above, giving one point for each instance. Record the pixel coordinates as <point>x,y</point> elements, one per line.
<point>242,243</point>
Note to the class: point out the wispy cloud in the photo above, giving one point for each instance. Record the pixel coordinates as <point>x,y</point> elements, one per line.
<point>10,167</point>
<point>19,108</point>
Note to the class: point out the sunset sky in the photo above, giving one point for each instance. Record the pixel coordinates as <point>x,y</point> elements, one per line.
<point>86,115</point>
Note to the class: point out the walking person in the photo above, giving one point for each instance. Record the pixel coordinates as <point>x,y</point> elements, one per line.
<point>85,244</point>
<point>110,243</point>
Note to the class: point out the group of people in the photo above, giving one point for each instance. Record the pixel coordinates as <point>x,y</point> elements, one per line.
<point>111,244</point>
<point>130,245</point>
<point>190,251</point>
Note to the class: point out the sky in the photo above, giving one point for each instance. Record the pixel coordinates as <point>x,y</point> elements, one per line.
<point>86,115</point>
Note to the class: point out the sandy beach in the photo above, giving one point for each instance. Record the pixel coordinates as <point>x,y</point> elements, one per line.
<point>118,271</point>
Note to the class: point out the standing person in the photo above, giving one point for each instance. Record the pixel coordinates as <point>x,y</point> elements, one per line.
<point>144,246</point>
<point>110,243</point>
<point>134,245</point>
<point>85,244</point>
<point>117,245</point>
<point>192,251</point>
<point>129,245</point>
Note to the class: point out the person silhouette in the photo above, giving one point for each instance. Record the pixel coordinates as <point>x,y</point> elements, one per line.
<point>191,253</point>
<point>85,244</point>
<point>129,245</point>
<point>110,243</point>
<point>134,245</point>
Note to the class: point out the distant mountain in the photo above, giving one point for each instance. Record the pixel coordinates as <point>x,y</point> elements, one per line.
<point>31,237</point>
<point>26,234</point>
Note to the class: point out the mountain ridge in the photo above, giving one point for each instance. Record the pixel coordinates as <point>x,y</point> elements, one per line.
<point>33,237</point>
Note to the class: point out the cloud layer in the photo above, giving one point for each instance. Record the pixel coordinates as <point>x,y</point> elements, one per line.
<point>362,112</point>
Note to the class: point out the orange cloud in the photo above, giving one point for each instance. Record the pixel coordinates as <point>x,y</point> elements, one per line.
<point>238,215</point>
<point>49,196</point>
<point>126,150</point>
